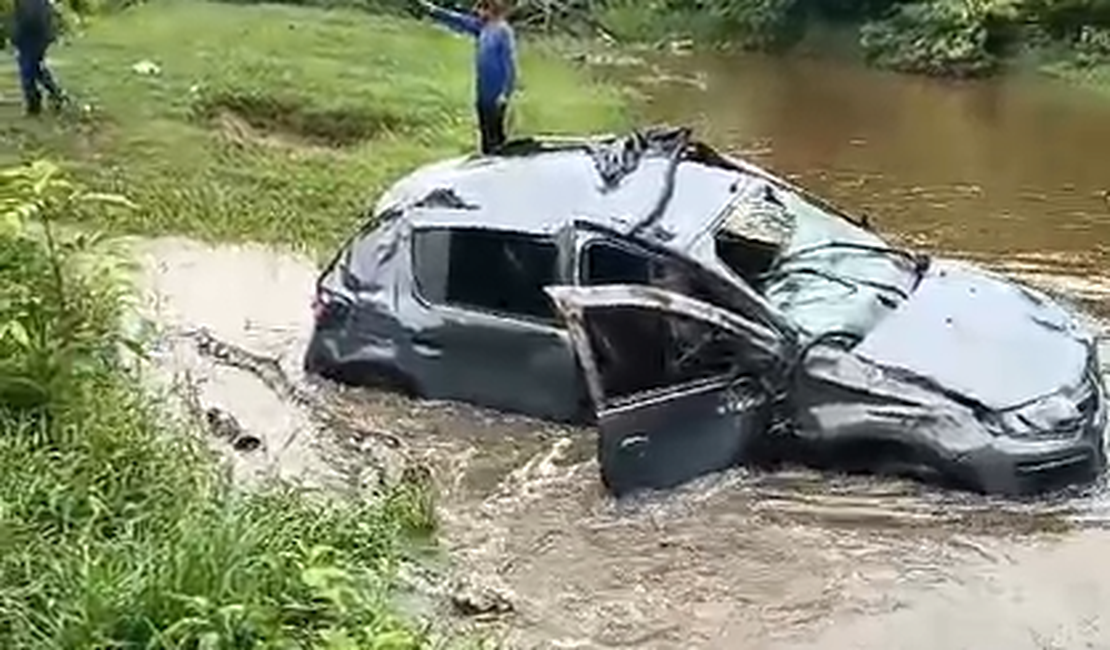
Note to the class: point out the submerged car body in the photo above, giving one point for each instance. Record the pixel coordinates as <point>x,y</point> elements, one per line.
<point>708,314</point>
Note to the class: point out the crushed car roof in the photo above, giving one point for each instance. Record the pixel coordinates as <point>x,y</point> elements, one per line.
<point>541,188</point>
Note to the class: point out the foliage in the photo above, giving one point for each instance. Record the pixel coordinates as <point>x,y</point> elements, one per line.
<point>949,38</point>
<point>116,529</point>
<point>69,15</point>
<point>936,37</point>
<point>373,6</point>
<point>60,290</point>
<point>1065,19</point>
<point>229,174</point>
<point>1092,47</point>
<point>756,24</point>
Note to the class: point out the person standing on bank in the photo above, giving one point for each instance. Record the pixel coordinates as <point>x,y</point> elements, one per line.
<point>33,31</point>
<point>495,62</point>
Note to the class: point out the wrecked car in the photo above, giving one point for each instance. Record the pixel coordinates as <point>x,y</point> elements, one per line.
<point>706,314</point>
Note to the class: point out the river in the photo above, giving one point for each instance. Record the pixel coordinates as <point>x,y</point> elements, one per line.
<point>1007,171</point>
<point>1003,172</point>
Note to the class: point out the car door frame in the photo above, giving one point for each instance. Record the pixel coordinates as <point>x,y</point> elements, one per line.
<point>730,292</point>
<point>427,348</point>
<point>571,301</point>
<point>663,436</point>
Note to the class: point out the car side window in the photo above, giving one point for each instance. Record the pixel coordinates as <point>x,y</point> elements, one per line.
<point>604,263</point>
<point>488,270</point>
<point>641,349</point>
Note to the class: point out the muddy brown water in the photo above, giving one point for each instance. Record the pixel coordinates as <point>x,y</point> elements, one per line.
<point>1005,173</point>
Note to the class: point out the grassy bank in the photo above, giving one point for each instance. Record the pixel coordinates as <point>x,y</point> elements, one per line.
<point>117,526</point>
<point>275,123</point>
<point>949,38</point>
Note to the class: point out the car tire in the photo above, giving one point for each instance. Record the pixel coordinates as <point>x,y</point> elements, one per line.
<point>373,375</point>
<point>606,455</point>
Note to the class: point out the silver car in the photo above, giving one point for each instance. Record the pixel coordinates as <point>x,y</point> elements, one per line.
<point>705,314</point>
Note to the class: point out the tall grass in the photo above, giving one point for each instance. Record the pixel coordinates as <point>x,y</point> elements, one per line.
<point>117,528</point>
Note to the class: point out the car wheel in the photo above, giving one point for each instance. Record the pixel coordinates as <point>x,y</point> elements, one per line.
<point>374,375</point>
<point>624,468</point>
<point>607,464</point>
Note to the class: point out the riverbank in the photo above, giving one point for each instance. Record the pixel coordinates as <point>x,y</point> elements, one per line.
<point>119,526</point>
<point>275,123</point>
<point>272,124</point>
<point>937,38</point>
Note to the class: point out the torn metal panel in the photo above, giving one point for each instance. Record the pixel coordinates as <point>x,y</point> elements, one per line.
<point>849,410</point>
<point>702,268</point>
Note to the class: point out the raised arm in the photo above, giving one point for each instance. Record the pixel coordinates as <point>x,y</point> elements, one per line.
<point>464,23</point>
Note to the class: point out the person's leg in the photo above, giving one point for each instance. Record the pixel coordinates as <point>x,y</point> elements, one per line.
<point>497,128</point>
<point>47,80</point>
<point>485,128</point>
<point>29,63</point>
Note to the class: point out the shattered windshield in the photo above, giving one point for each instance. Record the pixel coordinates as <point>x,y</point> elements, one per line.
<point>824,273</point>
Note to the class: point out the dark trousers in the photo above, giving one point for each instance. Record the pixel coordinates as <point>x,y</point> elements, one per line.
<point>491,126</point>
<point>33,73</point>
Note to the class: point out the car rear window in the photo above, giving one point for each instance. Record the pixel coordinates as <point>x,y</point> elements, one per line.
<point>486,270</point>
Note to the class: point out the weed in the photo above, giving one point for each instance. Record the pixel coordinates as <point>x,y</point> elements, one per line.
<point>116,527</point>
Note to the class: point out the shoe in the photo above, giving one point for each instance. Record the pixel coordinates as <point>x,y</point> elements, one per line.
<point>59,102</point>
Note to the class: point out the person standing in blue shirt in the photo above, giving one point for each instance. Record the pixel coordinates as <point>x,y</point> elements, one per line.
<point>495,62</point>
<point>32,33</point>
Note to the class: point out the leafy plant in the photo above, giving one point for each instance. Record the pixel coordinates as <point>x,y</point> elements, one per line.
<point>755,24</point>
<point>60,289</point>
<point>944,37</point>
<point>117,529</point>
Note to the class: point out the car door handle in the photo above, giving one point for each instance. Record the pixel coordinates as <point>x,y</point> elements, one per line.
<point>426,344</point>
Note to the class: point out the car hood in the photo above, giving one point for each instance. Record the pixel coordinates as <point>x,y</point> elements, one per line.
<point>970,332</point>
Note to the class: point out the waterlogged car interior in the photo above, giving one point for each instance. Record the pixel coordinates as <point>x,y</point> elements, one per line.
<point>639,349</point>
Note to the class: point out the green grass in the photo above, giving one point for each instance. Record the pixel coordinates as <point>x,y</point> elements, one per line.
<point>395,93</point>
<point>115,534</point>
<point>278,124</point>
<point>1095,77</point>
<point>117,527</point>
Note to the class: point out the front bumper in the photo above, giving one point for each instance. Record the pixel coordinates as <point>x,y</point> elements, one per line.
<point>1031,464</point>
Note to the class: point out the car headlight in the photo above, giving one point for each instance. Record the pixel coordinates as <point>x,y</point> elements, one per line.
<point>1061,415</point>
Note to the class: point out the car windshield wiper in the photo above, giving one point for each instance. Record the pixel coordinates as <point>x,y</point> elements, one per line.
<point>920,262</point>
<point>849,282</point>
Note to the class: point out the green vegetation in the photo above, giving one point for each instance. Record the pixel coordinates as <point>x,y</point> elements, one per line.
<point>118,528</point>
<point>275,123</point>
<point>754,24</point>
<point>937,37</point>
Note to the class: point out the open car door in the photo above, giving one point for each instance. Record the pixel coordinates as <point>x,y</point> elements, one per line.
<point>682,388</point>
<point>594,254</point>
